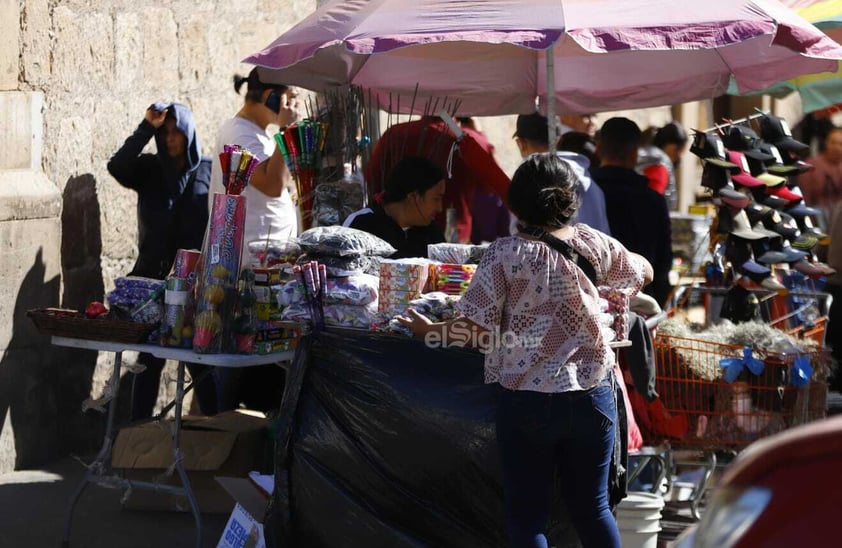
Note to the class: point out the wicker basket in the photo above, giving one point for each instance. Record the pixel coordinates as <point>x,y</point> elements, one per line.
<point>68,323</point>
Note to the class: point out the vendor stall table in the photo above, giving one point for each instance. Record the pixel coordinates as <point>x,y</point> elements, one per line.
<point>99,471</point>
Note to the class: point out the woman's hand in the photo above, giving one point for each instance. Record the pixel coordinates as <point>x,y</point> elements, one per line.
<point>416,322</point>
<point>289,113</point>
<point>155,118</point>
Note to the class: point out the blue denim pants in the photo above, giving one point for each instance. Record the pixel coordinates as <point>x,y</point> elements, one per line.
<point>571,434</point>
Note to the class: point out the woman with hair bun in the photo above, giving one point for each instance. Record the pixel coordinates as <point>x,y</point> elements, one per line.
<point>534,295</point>
<point>404,213</point>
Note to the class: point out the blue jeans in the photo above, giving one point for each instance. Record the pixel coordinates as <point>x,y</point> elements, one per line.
<point>570,433</point>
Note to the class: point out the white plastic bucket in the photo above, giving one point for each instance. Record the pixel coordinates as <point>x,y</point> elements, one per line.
<point>639,519</point>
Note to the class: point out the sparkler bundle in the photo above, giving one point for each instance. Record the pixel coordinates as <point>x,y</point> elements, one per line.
<point>302,145</point>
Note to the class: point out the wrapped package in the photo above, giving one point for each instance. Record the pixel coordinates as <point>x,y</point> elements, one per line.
<point>216,292</point>
<point>453,279</point>
<point>401,281</point>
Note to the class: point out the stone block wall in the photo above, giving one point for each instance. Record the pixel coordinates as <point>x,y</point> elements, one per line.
<point>75,80</point>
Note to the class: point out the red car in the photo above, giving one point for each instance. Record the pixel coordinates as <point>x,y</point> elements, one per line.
<point>784,490</point>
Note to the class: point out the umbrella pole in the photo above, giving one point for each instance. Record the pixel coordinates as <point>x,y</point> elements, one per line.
<point>552,128</point>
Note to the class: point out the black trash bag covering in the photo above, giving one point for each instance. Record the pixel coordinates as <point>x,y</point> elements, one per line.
<point>392,444</point>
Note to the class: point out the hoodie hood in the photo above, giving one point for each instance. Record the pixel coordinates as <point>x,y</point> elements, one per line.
<point>185,123</point>
<point>580,165</point>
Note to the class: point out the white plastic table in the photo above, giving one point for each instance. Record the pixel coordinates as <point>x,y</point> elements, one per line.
<point>100,471</point>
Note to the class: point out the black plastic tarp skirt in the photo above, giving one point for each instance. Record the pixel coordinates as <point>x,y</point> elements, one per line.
<point>384,442</point>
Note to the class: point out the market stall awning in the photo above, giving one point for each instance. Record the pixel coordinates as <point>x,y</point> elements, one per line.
<point>492,54</point>
<point>818,90</point>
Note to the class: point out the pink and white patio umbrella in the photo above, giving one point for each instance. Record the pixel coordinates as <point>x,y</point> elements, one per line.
<point>496,55</point>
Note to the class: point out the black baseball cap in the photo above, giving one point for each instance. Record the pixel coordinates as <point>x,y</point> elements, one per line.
<point>775,130</point>
<point>709,147</point>
<point>745,140</point>
<point>533,127</point>
<point>777,166</point>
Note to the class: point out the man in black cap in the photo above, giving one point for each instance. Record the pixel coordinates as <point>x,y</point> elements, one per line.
<point>638,215</point>
<point>532,137</point>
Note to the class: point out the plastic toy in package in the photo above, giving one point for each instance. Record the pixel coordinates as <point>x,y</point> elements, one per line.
<point>268,253</point>
<point>340,241</point>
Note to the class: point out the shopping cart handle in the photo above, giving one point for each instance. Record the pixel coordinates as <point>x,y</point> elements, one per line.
<point>652,323</point>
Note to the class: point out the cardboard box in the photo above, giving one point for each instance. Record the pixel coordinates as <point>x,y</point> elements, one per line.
<point>242,531</point>
<point>245,525</point>
<point>228,444</point>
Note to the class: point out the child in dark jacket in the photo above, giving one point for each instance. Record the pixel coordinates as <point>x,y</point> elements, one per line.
<point>172,213</point>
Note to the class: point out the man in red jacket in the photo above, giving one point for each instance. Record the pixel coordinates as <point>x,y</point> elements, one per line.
<point>468,164</point>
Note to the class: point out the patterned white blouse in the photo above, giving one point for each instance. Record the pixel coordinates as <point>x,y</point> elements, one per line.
<point>542,311</point>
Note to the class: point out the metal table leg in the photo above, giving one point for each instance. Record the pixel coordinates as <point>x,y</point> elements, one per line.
<point>176,443</point>
<point>102,462</point>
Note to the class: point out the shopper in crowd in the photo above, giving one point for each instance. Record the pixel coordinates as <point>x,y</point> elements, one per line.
<point>638,215</point>
<point>579,150</point>
<point>833,285</point>
<point>270,214</point>
<point>172,212</point>
<point>557,410</point>
<point>822,187</point>
<point>531,137</point>
<point>490,219</point>
<point>659,159</point>
<point>583,123</point>
<point>404,213</point>
<point>468,165</point>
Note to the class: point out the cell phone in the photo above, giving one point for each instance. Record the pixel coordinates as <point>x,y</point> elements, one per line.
<point>273,102</point>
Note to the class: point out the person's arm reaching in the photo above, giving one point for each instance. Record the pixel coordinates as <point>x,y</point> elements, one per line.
<point>457,332</point>
<point>124,165</point>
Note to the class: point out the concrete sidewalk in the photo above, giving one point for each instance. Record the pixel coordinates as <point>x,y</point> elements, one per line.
<point>34,505</point>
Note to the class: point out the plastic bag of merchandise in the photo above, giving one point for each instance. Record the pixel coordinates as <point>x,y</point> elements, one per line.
<point>340,241</point>
<point>359,289</point>
<point>335,200</point>
<point>342,267</point>
<point>131,291</point>
<point>336,315</point>
<point>456,253</point>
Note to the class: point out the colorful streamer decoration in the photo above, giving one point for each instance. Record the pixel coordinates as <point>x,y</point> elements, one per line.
<point>302,145</point>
